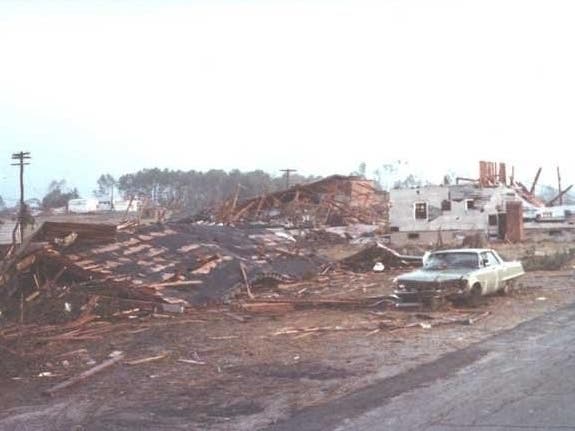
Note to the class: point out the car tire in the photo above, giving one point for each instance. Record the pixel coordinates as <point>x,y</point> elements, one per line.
<point>507,288</point>
<point>475,297</point>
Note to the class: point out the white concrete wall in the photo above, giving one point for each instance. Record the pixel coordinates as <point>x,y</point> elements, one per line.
<point>487,201</point>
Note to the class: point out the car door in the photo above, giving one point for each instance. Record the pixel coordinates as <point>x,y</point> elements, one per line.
<point>505,272</point>
<point>495,263</point>
<point>489,272</point>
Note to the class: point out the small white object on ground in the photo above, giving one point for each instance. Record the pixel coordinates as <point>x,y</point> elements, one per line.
<point>378,267</point>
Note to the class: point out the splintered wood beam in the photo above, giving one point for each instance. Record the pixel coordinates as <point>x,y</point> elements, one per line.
<point>532,189</point>
<point>296,197</point>
<point>235,201</point>
<point>559,186</point>
<point>241,212</point>
<point>84,375</point>
<point>246,281</point>
<point>559,196</point>
<point>260,204</point>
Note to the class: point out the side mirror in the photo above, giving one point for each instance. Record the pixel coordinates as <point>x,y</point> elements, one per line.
<point>485,262</point>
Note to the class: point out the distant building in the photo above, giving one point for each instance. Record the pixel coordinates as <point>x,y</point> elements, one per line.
<point>454,211</point>
<point>127,205</point>
<point>81,206</point>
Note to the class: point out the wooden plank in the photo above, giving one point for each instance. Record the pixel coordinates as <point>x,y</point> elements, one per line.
<point>246,281</point>
<point>25,263</point>
<point>82,376</point>
<point>149,359</point>
<point>268,307</point>
<point>181,283</point>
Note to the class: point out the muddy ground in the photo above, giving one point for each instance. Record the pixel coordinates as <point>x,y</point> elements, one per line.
<point>223,369</point>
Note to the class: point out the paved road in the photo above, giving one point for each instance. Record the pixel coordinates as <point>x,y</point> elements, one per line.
<point>523,379</point>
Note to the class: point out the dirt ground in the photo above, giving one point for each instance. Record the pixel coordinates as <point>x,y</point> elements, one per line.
<point>223,369</point>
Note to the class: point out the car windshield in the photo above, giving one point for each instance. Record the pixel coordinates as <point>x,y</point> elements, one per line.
<point>452,260</point>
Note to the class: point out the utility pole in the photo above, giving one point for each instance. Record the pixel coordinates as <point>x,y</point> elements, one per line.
<point>112,198</point>
<point>559,186</point>
<point>21,157</point>
<point>288,172</point>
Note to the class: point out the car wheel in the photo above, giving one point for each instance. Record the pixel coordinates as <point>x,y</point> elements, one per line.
<point>507,288</point>
<point>475,297</point>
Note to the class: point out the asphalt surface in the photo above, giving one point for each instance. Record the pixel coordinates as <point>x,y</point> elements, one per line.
<point>522,379</point>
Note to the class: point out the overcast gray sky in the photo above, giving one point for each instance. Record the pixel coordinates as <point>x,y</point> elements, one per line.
<point>318,86</point>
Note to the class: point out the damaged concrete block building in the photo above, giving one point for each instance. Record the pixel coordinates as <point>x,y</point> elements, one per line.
<point>491,206</point>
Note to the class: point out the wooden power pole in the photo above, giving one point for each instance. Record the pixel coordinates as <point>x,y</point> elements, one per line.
<point>288,172</point>
<point>21,158</point>
<point>559,186</point>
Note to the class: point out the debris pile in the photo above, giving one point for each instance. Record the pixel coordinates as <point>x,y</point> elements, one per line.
<point>368,257</point>
<point>319,238</point>
<point>333,201</point>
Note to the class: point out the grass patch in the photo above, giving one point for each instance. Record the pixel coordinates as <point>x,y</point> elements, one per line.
<point>550,262</point>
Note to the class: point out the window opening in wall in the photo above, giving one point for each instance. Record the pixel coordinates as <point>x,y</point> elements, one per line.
<point>492,219</point>
<point>446,205</point>
<point>470,204</point>
<point>421,211</point>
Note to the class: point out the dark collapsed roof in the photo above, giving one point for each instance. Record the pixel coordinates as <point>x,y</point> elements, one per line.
<point>202,261</point>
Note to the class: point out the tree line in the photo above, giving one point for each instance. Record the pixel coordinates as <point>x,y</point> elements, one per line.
<point>191,190</point>
<point>195,190</point>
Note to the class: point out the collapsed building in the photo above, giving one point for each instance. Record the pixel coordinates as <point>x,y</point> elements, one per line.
<point>167,266</point>
<point>331,201</point>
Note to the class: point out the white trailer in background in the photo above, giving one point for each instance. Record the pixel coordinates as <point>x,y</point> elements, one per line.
<point>120,205</point>
<point>81,206</point>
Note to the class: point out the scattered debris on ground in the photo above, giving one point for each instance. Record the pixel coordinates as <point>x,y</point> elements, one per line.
<point>202,317</point>
<point>366,259</point>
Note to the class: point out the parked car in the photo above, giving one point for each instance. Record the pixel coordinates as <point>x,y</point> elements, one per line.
<point>457,274</point>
